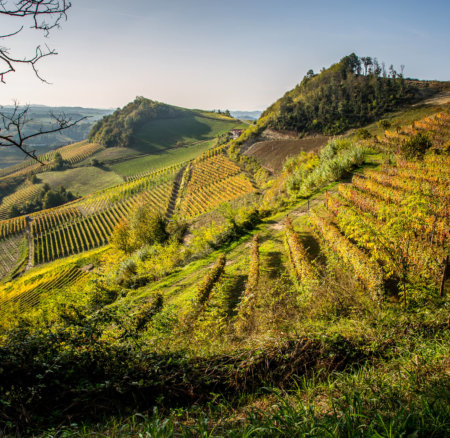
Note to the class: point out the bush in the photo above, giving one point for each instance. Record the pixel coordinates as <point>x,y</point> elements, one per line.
<point>148,227</point>
<point>121,236</point>
<point>363,134</point>
<point>416,146</point>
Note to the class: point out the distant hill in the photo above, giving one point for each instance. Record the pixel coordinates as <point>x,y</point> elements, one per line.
<point>246,115</point>
<point>40,115</point>
<point>140,138</point>
<point>151,126</point>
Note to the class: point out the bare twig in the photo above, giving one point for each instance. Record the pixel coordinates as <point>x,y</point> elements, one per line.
<point>46,15</point>
<point>12,128</point>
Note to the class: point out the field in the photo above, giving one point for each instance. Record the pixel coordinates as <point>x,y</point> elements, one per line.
<point>273,153</point>
<point>156,136</point>
<point>169,158</point>
<point>81,180</point>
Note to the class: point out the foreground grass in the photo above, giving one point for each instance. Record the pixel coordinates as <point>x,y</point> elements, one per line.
<point>405,392</point>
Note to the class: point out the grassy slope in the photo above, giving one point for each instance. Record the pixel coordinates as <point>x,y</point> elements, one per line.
<point>388,384</point>
<point>82,180</point>
<point>342,400</point>
<point>164,159</point>
<point>158,135</point>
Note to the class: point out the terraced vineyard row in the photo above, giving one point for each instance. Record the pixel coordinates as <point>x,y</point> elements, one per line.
<point>211,182</point>
<point>49,219</point>
<point>80,233</point>
<point>9,253</point>
<point>203,199</point>
<point>391,225</point>
<point>12,226</point>
<point>365,269</point>
<point>408,184</point>
<point>436,127</point>
<point>27,294</point>
<point>27,193</point>
<point>76,152</point>
<point>432,227</point>
<point>106,198</point>
<point>298,256</point>
<point>375,236</point>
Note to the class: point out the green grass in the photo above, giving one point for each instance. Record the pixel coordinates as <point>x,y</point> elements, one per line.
<point>164,159</point>
<point>158,135</point>
<point>81,180</point>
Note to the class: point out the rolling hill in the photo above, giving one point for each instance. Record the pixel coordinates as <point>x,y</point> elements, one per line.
<point>211,297</point>
<point>160,136</point>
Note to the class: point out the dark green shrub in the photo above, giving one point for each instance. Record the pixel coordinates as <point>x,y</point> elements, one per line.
<point>416,146</point>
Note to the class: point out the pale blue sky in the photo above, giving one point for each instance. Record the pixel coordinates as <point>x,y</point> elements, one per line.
<point>221,54</point>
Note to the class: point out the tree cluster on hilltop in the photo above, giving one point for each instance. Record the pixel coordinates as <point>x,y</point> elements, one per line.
<point>118,128</point>
<point>351,93</point>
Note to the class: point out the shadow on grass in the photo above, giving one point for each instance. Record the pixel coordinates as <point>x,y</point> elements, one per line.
<point>234,292</point>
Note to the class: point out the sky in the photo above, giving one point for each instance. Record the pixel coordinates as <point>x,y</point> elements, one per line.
<point>218,54</point>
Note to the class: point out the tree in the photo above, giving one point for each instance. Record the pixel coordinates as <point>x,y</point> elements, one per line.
<point>121,236</point>
<point>148,227</point>
<point>44,16</point>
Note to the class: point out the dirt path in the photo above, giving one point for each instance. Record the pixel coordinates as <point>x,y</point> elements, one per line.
<point>175,192</point>
<point>30,245</point>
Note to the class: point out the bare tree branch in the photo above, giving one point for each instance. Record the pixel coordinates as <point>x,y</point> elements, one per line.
<point>39,10</point>
<point>10,62</point>
<point>46,15</point>
<point>12,128</point>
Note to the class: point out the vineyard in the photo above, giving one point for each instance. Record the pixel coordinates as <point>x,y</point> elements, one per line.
<point>21,196</point>
<point>65,232</point>
<point>9,253</point>
<point>88,223</point>
<point>26,294</point>
<point>12,226</point>
<point>436,128</point>
<point>391,225</point>
<point>212,180</point>
<point>72,154</point>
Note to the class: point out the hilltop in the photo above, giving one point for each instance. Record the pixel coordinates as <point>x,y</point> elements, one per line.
<point>152,136</point>
<point>354,92</point>
<point>152,126</point>
<point>241,293</point>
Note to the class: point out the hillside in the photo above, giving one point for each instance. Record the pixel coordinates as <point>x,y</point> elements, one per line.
<point>152,127</point>
<point>303,295</point>
<point>286,283</point>
<point>160,136</point>
<point>353,93</point>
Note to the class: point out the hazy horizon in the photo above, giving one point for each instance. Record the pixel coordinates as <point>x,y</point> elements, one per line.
<point>240,56</point>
